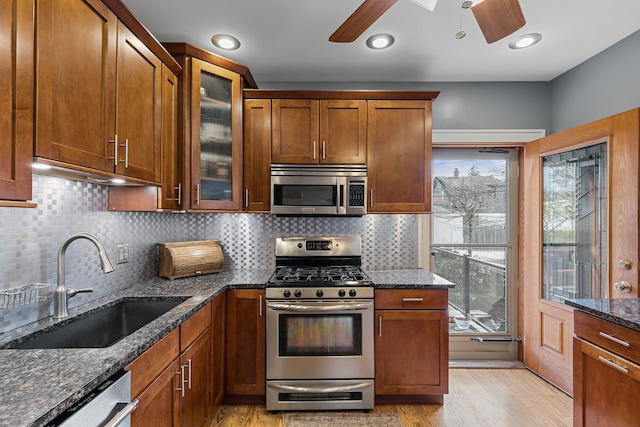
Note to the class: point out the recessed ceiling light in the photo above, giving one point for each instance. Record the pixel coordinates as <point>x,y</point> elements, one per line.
<point>380,41</point>
<point>525,40</point>
<point>225,41</point>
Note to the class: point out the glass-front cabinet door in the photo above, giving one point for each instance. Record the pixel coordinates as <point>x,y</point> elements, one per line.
<point>216,138</point>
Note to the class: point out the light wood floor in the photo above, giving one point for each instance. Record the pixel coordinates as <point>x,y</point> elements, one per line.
<point>477,398</point>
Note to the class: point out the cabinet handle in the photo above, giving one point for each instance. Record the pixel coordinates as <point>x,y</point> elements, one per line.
<point>181,373</point>
<point>189,365</point>
<point>379,326</point>
<point>324,154</point>
<point>314,150</point>
<point>197,194</point>
<point>114,141</point>
<point>126,153</point>
<point>613,364</point>
<point>246,197</point>
<point>371,198</point>
<point>412,299</point>
<point>179,189</point>
<point>614,339</point>
<point>260,306</point>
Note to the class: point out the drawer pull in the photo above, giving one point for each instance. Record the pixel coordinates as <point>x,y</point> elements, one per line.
<point>613,364</point>
<point>412,299</point>
<point>614,339</point>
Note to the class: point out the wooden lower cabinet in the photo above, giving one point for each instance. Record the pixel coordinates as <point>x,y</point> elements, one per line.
<point>245,355</point>
<point>195,407</point>
<point>159,403</point>
<point>218,349</point>
<point>606,373</point>
<point>411,346</point>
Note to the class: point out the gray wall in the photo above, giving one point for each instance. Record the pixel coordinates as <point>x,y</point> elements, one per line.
<point>602,86</point>
<point>507,105</point>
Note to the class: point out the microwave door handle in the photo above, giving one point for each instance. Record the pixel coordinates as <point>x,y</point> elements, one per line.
<point>342,183</point>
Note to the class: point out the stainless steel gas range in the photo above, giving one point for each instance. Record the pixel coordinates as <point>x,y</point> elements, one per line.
<point>320,326</point>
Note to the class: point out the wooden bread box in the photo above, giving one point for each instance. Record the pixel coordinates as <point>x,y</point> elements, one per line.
<point>186,259</point>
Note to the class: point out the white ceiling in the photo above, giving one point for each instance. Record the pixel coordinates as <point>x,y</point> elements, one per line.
<point>287,40</point>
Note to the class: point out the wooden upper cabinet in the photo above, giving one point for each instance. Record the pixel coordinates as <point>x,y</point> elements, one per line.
<point>399,156</point>
<point>16,129</point>
<point>257,155</point>
<point>170,194</point>
<point>75,83</point>
<point>138,120</point>
<point>319,131</point>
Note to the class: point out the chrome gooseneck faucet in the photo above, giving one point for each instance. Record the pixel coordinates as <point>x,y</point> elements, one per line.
<point>61,293</point>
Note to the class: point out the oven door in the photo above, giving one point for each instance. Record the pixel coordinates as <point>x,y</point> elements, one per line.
<point>320,339</point>
<point>311,195</point>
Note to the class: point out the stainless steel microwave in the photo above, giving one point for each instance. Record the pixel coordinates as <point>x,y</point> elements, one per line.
<point>318,189</point>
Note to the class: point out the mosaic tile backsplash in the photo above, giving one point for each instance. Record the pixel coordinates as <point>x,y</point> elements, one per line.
<point>31,239</point>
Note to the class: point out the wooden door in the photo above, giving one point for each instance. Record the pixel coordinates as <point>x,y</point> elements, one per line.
<point>399,156</point>
<point>411,352</point>
<point>170,195</point>
<point>343,132</point>
<point>245,360</point>
<point>139,115</point>
<point>159,403</point>
<point>16,98</point>
<point>218,346</point>
<point>75,82</point>
<point>257,155</point>
<point>548,325</point>
<point>295,131</point>
<point>196,359</point>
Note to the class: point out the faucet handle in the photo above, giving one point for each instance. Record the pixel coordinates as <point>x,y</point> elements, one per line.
<point>71,292</point>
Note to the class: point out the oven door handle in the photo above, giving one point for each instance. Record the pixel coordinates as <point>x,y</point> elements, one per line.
<point>320,389</point>
<point>322,308</point>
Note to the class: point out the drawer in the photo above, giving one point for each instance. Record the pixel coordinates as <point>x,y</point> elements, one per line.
<point>608,335</point>
<point>411,299</point>
<point>152,362</point>
<point>194,326</point>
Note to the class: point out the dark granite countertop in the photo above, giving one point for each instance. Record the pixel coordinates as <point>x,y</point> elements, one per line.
<point>623,311</point>
<point>38,385</point>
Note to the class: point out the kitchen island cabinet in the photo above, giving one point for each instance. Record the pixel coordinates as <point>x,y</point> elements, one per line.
<point>412,346</point>
<point>246,328</point>
<point>606,372</point>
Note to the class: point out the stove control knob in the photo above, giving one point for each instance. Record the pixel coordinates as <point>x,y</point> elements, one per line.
<point>297,293</point>
<point>286,293</point>
<point>352,293</point>
<point>319,293</point>
<point>341,293</point>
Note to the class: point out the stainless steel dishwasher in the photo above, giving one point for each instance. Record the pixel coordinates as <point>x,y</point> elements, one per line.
<point>109,405</point>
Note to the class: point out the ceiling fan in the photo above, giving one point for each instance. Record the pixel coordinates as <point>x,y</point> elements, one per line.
<point>496,18</point>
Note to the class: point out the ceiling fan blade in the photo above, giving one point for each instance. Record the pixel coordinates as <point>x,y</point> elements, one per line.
<point>498,18</point>
<point>360,20</point>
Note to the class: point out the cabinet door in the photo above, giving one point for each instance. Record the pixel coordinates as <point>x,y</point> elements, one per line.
<point>412,352</point>
<point>196,360</point>
<point>170,194</point>
<point>138,123</point>
<point>218,346</point>
<point>605,387</point>
<point>159,404</point>
<point>295,131</point>
<point>75,82</point>
<point>257,155</point>
<point>245,343</point>
<point>16,98</point>
<point>343,132</point>
<point>216,137</point>
<point>399,156</point>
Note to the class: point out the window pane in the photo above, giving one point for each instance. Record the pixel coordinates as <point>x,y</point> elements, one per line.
<point>470,201</point>
<point>575,224</point>
<point>481,292</point>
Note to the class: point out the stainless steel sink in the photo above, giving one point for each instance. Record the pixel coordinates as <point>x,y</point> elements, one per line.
<point>102,328</point>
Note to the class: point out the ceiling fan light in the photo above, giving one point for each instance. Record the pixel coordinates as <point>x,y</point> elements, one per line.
<point>225,41</point>
<point>430,5</point>
<point>525,41</point>
<point>380,41</point>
